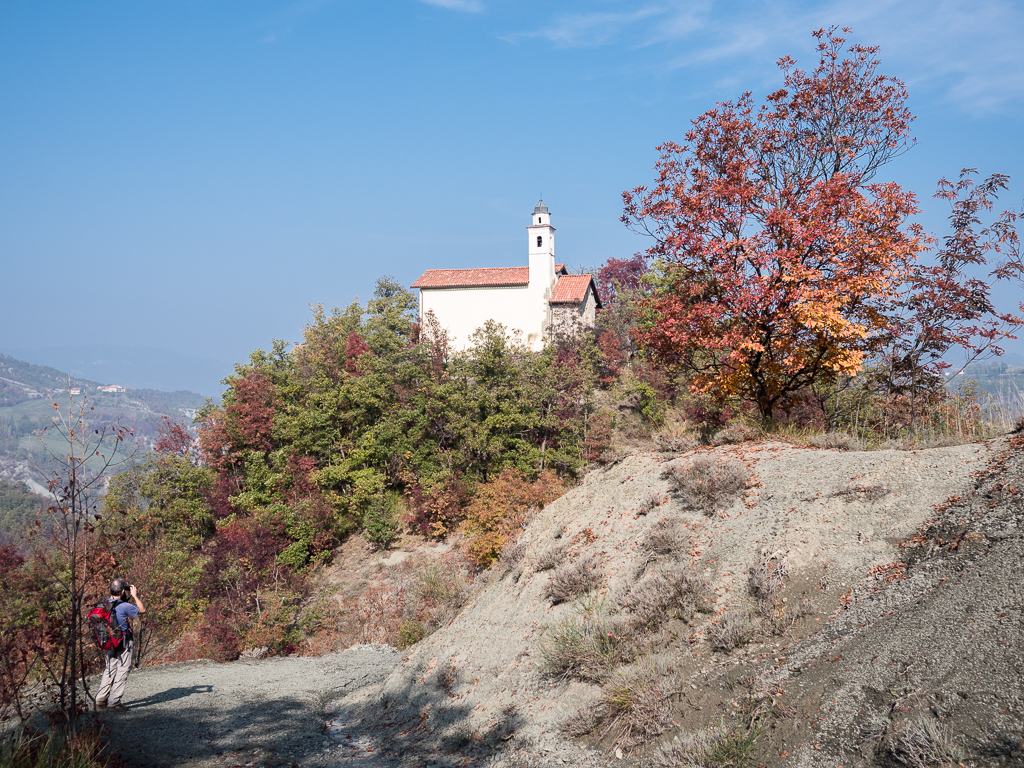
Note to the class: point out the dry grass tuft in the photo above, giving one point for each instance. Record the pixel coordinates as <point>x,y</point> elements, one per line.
<point>649,503</point>
<point>587,644</point>
<point>667,537</point>
<point>706,483</point>
<point>720,747</point>
<point>807,608</point>
<point>551,557</point>
<point>732,630</point>
<point>611,457</point>
<point>735,433</point>
<point>636,704</point>
<point>447,676</point>
<point>665,593</point>
<point>676,434</point>
<point>584,721</point>
<point>571,580</point>
<point>923,743</point>
<point>443,589</point>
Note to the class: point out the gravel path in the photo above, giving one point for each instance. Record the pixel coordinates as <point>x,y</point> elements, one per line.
<point>249,713</point>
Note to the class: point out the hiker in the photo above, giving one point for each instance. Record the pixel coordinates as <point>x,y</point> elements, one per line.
<point>119,660</point>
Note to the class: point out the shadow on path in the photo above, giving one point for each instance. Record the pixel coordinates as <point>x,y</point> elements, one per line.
<point>190,733</point>
<point>170,694</point>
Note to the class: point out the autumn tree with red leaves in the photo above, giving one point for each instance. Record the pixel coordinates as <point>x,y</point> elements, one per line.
<point>948,303</point>
<point>777,252</point>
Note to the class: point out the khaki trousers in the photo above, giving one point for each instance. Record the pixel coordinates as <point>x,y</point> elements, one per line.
<point>115,676</point>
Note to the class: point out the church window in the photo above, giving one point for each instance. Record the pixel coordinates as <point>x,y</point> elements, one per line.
<point>539,240</point>
<point>538,219</point>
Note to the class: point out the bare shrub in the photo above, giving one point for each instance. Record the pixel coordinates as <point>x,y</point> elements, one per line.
<point>664,593</point>
<point>707,484</point>
<point>587,644</point>
<point>611,457</point>
<point>510,558</point>
<point>571,580</point>
<point>669,443</point>
<point>1018,426</point>
<point>447,676</point>
<point>867,491</point>
<point>732,630</point>
<point>636,704</point>
<point>766,576</point>
<point>551,557</point>
<point>839,441</point>
<point>922,743</point>
<point>667,537</point>
<point>584,721</point>
<point>649,503</point>
<point>735,433</point>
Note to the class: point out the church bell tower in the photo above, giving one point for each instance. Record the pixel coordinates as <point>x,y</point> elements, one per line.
<point>541,249</point>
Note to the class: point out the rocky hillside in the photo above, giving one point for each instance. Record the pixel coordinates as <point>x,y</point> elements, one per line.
<point>842,608</point>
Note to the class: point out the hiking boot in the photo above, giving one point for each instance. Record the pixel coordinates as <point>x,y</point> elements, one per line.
<point>101,704</point>
<point>116,708</point>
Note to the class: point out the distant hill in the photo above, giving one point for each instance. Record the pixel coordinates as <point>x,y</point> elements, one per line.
<point>1005,383</point>
<point>27,394</point>
<point>21,381</point>
<point>132,366</point>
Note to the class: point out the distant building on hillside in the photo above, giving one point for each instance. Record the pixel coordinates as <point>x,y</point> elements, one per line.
<point>534,300</point>
<point>111,388</point>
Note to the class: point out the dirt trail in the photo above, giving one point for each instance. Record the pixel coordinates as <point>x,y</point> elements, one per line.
<point>248,713</point>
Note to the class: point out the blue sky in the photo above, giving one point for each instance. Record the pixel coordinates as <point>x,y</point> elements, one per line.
<point>190,176</point>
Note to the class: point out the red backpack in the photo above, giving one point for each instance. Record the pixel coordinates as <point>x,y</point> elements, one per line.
<point>103,623</point>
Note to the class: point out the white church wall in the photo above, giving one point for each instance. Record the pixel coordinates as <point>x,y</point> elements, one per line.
<point>461,311</point>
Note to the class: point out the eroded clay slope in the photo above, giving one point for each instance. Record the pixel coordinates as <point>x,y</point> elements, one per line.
<point>476,690</point>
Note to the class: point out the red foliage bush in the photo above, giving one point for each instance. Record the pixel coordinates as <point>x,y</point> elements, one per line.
<point>355,348</point>
<point>614,355</point>
<point>174,439</point>
<point>251,412</point>
<point>501,508</point>
<point>218,497</point>
<point>240,557</point>
<point>215,442</point>
<point>219,633</point>
<point>435,513</point>
<point>618,275</point>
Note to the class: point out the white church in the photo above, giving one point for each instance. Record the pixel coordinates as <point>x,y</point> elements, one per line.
<point>533,300</point>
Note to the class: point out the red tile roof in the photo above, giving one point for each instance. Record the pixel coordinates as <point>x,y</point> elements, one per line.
<point>473,278</point>
<point>572,289</point>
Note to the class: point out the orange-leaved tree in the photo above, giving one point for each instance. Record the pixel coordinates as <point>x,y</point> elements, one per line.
<point>776,254</point>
